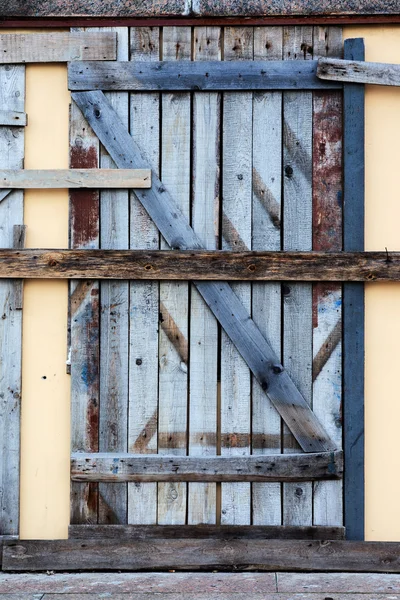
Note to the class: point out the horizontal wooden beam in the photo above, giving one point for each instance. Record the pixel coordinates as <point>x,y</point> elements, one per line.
<point>200,265</point>
<point>57,47</point>
<point>203,75</point>
<point>206,553</point>
<point>12,117</point>
<point>113,468</point>
<point>75,178</point>
<point>352,71</point>
<point>148,532</point>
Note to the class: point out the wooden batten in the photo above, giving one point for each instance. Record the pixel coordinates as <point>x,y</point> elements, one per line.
<point>74,178</point>
<point>13,118</point>
<point>353,71</point>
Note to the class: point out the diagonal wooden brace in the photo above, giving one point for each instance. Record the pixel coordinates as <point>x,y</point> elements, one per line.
<point>219,296</point>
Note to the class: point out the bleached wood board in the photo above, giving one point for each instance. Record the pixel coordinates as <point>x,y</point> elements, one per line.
<point>297,298</point>
<point>174,297</point>
<point>144,296</point>
<point>13,117</point>
<point>266,298</point>
<point>74,178</point>
<point>12,97</point>
<point>56,47</point>
<point>203,390</point>
<point>236,235</point>
<point>353,71</point>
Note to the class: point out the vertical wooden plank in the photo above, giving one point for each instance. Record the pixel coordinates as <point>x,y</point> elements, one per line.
<point>353,301</point>
<point>203,325</point>
<point>174,297</point>
<point>144,295</point>
<point>12,97</point>
<point>236,235</point>
<point>266,297</point>
<point>297,190</point>
<point>85,319</point>
<point>327,298</point>
<point>114,318</point>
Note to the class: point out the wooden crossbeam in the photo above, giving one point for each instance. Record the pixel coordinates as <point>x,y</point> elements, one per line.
<point>116,467</point>
<point>355,71</point>
<point>75,178</point>
<point>201,265</point>
<point>196,76</point>
<point>205,553</point>
<point>57,47</point>
<point>13,117</point>
<point>219,296</point>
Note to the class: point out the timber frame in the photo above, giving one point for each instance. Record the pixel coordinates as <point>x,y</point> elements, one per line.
<point>229,548</point>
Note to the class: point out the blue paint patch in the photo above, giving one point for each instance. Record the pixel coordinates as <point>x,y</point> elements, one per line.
<point>115,467</point>
<point>339,198</point>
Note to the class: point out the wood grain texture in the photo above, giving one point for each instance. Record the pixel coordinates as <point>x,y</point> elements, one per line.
<point>353,301</point>
<point>117,467</point>
<point>132,532</point>
<point>220,298</point>
<point>350,71</point>
<point>297,235</point>
<point>56,47</point>
<point>144,296</point>
<point>236,232</point>
<point>327,298</point>
<point>203,338</point>
<point>85,318</point>
<point>13,117</point>
<point>74,178</point>
<point>209,553</point>
<point>266,235</point>
<point>12,97</point>
<point>206,76</point>
<point>174,297</point>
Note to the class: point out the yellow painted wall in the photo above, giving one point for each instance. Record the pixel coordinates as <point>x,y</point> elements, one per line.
<point>45,405</point>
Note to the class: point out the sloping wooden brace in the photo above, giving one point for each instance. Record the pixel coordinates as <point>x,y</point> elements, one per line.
<point>57,47</point>
<point>147,532</point>
<point>196,76</point>
<point>74,178</point>
<point>205,265</point>
<point>12,117</point>
<point>206,553</point>
<point>219,297</point>
<point>354,71</point>
<point>116,467</point>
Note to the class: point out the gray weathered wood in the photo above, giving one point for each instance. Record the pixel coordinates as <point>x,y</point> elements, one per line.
<point>133,532</point>
<point>353,301</point>
<point>12,97</point>
<point>56,47</point>
<point>195,76</point>
<point>355,71</point>
<point>116,467</point>
<point>207,553</point>
<point>4,194</point>
<point>202,265</point>
<point>220,297</point>
<point>74,178</point>
<point>13,117</point>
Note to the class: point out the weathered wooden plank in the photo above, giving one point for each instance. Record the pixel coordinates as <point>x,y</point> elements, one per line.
<point>297,235</point>
<point>174,297</point>
<point>237,140</point>
<point>114,319</point>
<point>353,301</point>
<point>133,532</point>
<point>74,178</point>
<point>206,76</point>
<point>12,97</point>
<point>356,71</point>
<point>220,298</point>
<point>116,467</point>
<point>336,583</point>
<point>202,265</point>
<point>85,318</point>
<point>19,235</point>
<point>327,298</point>
<point>56,47</point>
<point>207,553</point>
<point>144,296</point>
<point>13,117</point>
<point>203,338</point>
<point>266,235</point>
